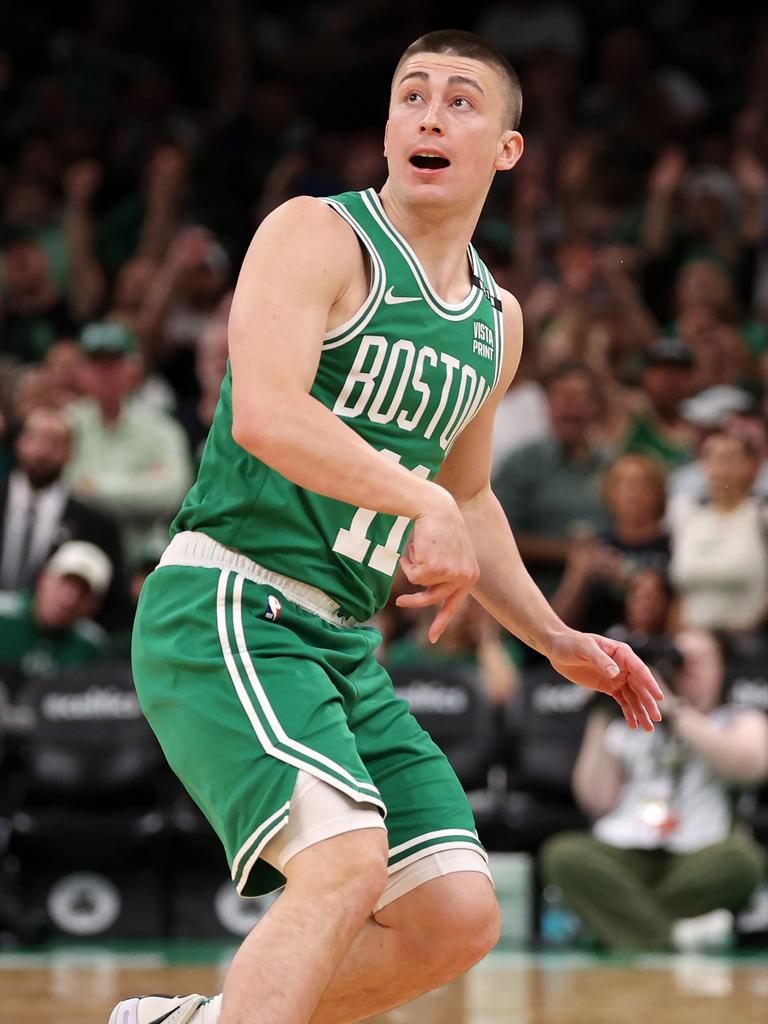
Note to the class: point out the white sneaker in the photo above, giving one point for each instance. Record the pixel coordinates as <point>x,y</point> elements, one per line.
<point>709,931</point>
<point>156,1010</point>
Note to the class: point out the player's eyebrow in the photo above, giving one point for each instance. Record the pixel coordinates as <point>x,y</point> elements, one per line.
<point>452,80</point>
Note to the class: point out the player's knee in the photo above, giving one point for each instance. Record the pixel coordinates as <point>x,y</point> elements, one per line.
<point>353,865</point>
<point>477,928</point>
<point>462,925</point>
<point>365,874</point>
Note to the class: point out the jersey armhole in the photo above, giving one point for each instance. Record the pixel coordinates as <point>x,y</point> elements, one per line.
<point>351,327</point>
<point>497,312</point>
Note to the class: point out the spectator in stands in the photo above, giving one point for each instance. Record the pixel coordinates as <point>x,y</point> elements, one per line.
<point>595,313</point>
<point>648,607</point>
<point>145,562</point>
<point>130,460</point>
<point>63,367</point>
<point>471,639</point>
<point>734,411</point>
<point>40,305</point>
<point>591,592</point>
<point>720,548</point>
<point>664,866</point>
<point>134,300</point>
<point>708,213</point>
<point>51,627</point>
<point>709,323</point>
<point>550,489</point>
<point>196,415</point>
<point>183,302</point>
<point>38,513</point>
<point>658,428</point>
<point>33,312</point>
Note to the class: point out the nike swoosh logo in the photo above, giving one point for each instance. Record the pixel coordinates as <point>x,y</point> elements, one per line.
<point>159,1020</point>
<point>394,300</point>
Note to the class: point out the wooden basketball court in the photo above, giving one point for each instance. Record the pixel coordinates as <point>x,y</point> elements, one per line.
<point>80,987</point>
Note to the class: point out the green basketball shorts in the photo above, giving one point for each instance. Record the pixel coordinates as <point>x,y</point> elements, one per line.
<point>248,677</point>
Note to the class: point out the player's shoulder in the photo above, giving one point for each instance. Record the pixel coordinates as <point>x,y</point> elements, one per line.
<point>310,221</point>
<point>513,313</point>
<point>513,336</point>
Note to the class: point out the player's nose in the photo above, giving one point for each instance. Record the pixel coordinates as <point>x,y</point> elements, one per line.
<point>430,123</point>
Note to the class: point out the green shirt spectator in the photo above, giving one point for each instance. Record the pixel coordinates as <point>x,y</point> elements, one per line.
<point>49,628</point>
<point>660,430</point>
<point>548,493</point>
<point>472,640</point>
<point>38,651</point>
<point>645,437</point>
<point>128,459</point>
<point>550,489</point>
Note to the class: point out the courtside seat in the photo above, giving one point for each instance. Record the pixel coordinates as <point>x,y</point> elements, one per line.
<point>746,672</point>
<point>88,829</point>
<point>449,702</point>
<point>204,901</point>
<point>543,728</point>
<point>746,686</point>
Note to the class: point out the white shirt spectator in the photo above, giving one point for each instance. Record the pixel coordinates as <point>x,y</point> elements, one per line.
<point>137,469</point>
<point>720,564</point>
<point>522,416</point>
<point>672,799</point>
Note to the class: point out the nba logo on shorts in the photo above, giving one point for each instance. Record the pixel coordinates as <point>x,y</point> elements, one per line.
<point>272,614</point>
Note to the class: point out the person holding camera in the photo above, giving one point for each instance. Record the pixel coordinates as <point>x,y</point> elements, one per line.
<point>666,864</point>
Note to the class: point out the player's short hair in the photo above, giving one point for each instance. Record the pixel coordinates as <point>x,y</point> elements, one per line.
<point>466,44</point>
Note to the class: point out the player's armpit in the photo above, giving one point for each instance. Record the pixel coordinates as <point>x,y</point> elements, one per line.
<point>466,471</point>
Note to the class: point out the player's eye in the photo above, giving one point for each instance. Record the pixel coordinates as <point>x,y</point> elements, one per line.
<point>462,103</point>
<point>412,97</point>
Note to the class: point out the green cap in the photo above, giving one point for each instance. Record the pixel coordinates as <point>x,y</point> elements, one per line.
<point>102,339</point>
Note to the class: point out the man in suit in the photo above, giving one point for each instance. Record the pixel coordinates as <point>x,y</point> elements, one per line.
<point>38,514</point>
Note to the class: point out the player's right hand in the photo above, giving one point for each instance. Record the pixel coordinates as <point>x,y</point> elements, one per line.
<point>439,557</point>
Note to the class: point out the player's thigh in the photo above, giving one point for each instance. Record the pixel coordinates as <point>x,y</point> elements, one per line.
<point>427,810</point>
<point>320,812</point>
<point>240,705</point>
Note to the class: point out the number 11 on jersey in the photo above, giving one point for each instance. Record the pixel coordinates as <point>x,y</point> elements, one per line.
<point>354,542</point>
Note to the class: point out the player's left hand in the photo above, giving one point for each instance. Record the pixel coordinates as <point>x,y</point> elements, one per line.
<point>610,667</point>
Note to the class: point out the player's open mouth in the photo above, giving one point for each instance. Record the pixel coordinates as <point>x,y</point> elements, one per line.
<point>429,161</point>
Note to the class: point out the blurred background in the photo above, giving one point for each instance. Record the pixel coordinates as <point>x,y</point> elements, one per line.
<point>141,144</point>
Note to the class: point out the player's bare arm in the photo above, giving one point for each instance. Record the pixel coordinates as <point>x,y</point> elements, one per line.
<point>506,589</point>
<point>295,283</point>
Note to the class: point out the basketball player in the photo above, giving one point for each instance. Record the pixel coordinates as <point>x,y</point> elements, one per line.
<point>369,348</point>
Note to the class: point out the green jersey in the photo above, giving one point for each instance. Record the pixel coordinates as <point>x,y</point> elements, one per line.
<point>407,373</point>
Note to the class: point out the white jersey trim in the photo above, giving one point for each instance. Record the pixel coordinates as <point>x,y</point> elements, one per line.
<point>362,317</point>
<point>189,547</point>
<point>448,311</point>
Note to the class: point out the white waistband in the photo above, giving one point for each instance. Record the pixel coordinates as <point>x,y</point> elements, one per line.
<point>192,548</point>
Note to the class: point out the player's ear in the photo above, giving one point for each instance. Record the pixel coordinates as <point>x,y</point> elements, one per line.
<point>509,151</point>
<point>386,133</point>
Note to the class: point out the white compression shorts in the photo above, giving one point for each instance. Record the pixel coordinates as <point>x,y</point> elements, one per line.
<point>319,811</point>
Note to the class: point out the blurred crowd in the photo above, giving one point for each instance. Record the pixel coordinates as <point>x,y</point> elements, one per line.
<point>142,143</point>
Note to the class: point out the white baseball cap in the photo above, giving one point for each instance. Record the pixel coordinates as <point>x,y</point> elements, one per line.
<point>79,558</point>
<point>709,408</point>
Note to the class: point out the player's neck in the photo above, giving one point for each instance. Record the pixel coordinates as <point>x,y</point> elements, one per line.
<point>440,241</point>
